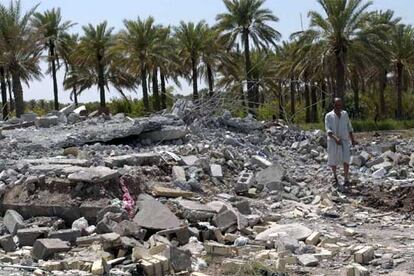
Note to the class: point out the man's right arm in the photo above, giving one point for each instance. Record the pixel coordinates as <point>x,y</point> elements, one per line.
<point>329,129</point>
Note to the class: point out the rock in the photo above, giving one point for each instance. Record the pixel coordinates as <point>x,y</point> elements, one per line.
<point>154,215</point>
<point>28,117</point>
<point>28,236</point>
<point>374,162</point>
<point>74,118</point>
<point>411,163</point>
<point>46,248</point>
<point>261,161</point>
<point>80,224</point>
<point>243,206</point>
<point>13,221</point>
<point>217,249</point>
<point>225,220</point>
<point>69,235</point>
<point>68,109</point>
<point>313,239</point>
<point>241,241</point>
<point>308,260</point>
<point>244,183</point>
<point>180,260</point>
<point>168,192</point>
<point>216,171</point>
<point>99,267</point>
<point>189,160</point>
<point>380,173</point>
<point>137,159</point>
<point>180,234</point>
<point>93,175</point>
<point>130,229</point>
<point>178,174</point>
<point>71,151</point>
<point>271,177</point>
<point>364,255</point>
<point>296,231</point>
<point>7,243</point>
<point>46,122</point>
<point>385,165</point>
<point>356,270</point>
<point>112,209</point>
<point>81,111</point>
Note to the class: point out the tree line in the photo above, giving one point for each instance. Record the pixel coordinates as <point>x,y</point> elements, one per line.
<point>346,50</point>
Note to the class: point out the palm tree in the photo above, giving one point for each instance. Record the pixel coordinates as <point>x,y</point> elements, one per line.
<point>213,51</point>
<point>96,57</point>
<point>50,24</point>
<point>140,41</point>
<point>247,19</point>
<point>72,70</point>
<point>190,40</point>
<point>338,29</point>
<point>21,48</point>
<point>401,49</point>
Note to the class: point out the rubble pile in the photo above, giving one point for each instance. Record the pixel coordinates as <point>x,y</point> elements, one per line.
<point>111,195</point>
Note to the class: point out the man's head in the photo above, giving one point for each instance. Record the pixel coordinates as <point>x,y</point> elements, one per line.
<point>337,105</point>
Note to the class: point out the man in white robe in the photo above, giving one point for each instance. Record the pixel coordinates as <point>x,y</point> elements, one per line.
<point>340,136</point>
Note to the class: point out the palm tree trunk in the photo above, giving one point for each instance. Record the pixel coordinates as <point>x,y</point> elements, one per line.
<point>18,94</point>
<point>355,87</point>
<point>144,87</point>
<point>194,78</point>
<point>323,94</point>
<point>292,99</point>
<point>11,107</point>
<point>281,102</point>
<point>248,65</point>
<point>163,91</point>
<point>382,86</point>
<point>75,96</point>
<point>314,103</point>
<point>3,88</point>
<point>340,74</point>
<point>210,79</point>
<point>55,86</point>
<point>307,99</point>
<point>399,110</point>
<point>155,92</point>
<point>101,84</point>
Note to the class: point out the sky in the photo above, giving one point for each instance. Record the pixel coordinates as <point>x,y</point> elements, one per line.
<point>171,12</point>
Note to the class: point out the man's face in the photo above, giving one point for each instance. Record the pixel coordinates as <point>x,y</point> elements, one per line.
<point>338,106</point>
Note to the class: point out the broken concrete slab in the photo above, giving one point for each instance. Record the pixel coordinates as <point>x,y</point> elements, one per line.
<point>216,171</point>
<point>169,192</point>
<point>28,236</point>
<point>154,215</point>
<point>294,230</point>
<point>47,121</point>
<point>180,234</point>
<point>69,235</point>
<point>308,260</point>
<point>189,160</point>
<point>46,248</point>
<point>59,161</point>
<point>138,159</point>
<point>7,243</point>
<point>13,221</point>
<point>271,177</point>
<point>178,174</point>
<point>261,161</point>
<point>225,220</point>
<point>93,175</point>
<point>166,133</point>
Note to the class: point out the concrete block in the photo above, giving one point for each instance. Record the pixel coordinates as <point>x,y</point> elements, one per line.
<point>46,248</point>
<point>13,221</point>
<point>180,234</point>
<point>216,171</point>
<point>217,249</point>
<point>28,236</point>
<point>7,243</point>
<point>69,235</point>
<point>364,255</point>
<point>313,239</point>
<point>225,220</point>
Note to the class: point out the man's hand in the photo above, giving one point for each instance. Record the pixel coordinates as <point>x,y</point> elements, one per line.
<point>354,142</point>
<point>337,140</point>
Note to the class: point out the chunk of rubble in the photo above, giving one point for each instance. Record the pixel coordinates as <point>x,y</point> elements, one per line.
<point>271,177</point>
<point>13,221</point>
<point>295,230</point>
<point>169,192</point>
<point>154,215</point>
<point>46,248</point>
<point>93,175</point>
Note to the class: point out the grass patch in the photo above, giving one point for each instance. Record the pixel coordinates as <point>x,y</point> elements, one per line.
<point>368,125</point>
